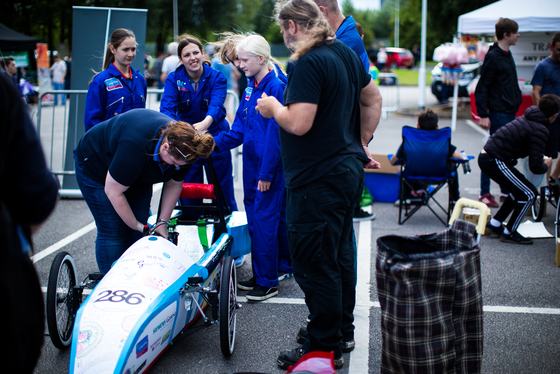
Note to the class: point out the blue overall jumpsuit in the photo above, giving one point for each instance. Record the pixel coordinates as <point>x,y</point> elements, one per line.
<point>266,211</point>
<point>111,94</point>
<point>181,102</point>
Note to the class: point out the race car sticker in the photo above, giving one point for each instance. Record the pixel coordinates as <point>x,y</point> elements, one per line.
<point>154,338</point>
<point>113,84</point>
<point>142,347</point>
<point>89,338</point>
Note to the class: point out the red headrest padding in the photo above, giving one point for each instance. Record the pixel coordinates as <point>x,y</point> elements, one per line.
<point>197,191</point>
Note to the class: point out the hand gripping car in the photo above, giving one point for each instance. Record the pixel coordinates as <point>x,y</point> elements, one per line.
<point>154,291</point>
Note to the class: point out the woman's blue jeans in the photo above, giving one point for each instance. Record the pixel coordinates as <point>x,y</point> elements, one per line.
<point>113,235</point>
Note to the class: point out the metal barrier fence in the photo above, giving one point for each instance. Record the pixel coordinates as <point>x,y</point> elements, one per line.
<point>56,123</point>
<point>389,87</point>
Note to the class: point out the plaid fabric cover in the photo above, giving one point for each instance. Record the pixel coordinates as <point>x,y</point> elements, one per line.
<point>430,292</point>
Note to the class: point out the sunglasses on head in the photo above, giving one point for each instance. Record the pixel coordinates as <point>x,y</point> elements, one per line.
<point>188,158</point>
<point>228,60</point>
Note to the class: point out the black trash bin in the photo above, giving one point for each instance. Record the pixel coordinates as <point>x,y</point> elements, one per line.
<point>430,292</point>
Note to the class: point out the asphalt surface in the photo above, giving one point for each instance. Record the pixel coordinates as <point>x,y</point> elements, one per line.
<point>521,286</point>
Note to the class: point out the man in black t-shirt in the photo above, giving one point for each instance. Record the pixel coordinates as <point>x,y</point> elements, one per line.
<point>332,108</point>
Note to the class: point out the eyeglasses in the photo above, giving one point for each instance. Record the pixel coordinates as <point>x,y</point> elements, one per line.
<point>228,60</point>
<point>188,158</point>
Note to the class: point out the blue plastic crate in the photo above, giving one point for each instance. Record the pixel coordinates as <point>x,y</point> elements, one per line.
<point>383,187</point>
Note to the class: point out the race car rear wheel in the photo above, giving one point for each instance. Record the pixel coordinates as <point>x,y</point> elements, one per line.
<point>557,224</point>
<point>60,307</point>
<point>228,306</point>
<point>538,207</point>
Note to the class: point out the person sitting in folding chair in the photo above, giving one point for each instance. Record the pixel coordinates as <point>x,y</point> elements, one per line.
<point>429,146</point>
<point>524,136</point>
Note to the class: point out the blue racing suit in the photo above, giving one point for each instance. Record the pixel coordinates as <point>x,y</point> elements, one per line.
<point>266,211</point>
<point>111,94</point>
<point>182,103</point>
<point>280,74</point>
<point>348,34</point>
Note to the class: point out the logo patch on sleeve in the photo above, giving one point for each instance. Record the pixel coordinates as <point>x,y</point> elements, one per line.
<point>182,86</point>
<point>113,84</point>
<point>248,92</point>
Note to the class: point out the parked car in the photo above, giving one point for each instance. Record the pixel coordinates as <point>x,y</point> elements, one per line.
<point>399,58</point>
<point>442,92</point>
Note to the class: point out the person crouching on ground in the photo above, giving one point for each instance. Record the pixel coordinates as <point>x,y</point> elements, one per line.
<point>522,137</point>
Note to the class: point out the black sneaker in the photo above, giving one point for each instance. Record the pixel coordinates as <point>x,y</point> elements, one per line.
<point>338,363</point>
<point>247,285</point>
<point>283,275</point>
<point>301,336</point>
<point>260,293</point>
<point>348,346</point>
<point>515,238</point>
<point>494,231</point>
<point>362,215</point>
<point>290,358</point>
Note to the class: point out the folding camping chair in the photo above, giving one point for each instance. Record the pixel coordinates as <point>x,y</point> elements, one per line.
<point>425,169</point>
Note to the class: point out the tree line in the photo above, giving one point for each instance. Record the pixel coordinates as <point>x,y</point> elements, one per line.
<point>51,20</point>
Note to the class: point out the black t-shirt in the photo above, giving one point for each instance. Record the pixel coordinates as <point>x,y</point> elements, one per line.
<point>125,146</point>
<point>331,76</point>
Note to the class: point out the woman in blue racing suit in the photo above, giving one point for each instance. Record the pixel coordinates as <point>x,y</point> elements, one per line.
<point>118,88</point>
<point>195,93</point>
<point>263,176</point>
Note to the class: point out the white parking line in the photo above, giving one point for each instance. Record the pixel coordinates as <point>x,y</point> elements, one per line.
<point>359,358</point>
<point>78,234</point>
<point>64,242</point>
<point>363,305</point>
<point>477,127</point>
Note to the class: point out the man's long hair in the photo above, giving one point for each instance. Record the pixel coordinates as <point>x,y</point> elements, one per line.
<point>306,14</point>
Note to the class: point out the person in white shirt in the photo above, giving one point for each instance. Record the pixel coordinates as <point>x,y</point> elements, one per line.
<point>171,62</point>
<point>58,70</point>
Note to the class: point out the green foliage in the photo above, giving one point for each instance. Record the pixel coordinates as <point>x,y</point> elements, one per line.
<point>347,7</point>
<point>409,77</point>
<point>51,20</point>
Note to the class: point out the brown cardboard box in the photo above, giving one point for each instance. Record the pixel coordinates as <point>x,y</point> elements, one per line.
<point>386,167</point>
<point>471,215</point>
<point>383,183</point>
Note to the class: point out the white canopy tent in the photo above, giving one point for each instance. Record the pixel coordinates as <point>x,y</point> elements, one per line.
<point>531,16</point>
<point>537,19</point>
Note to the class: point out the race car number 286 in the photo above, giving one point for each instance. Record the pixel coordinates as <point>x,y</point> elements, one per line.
<point>120,296</point>
<point>113,300</point>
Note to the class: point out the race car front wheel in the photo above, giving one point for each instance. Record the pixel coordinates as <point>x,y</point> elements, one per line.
<point>228,306</point>
<point>60,306</point>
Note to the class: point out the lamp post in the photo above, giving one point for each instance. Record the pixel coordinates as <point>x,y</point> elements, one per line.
<point>397,12</point>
